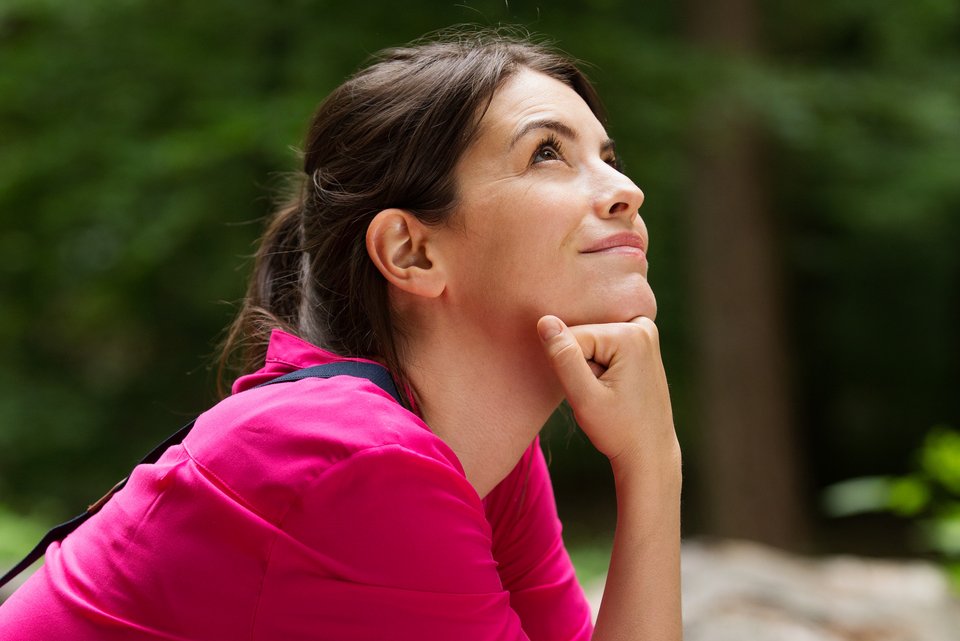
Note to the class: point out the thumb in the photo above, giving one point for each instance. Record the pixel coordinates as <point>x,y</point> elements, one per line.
<point>567,359</point>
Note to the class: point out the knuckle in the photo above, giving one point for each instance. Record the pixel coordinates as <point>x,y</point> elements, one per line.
<point>566,351</point>
<point>648,324</point>
<point>646,329</point>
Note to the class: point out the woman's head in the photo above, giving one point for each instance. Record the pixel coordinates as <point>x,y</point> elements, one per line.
<point>546,223</point>
<point>391,136</point>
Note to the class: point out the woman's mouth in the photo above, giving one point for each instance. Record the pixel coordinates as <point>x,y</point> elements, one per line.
<point>627,243</point>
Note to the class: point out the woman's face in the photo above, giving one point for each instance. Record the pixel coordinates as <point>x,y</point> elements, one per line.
<point>545,223</point>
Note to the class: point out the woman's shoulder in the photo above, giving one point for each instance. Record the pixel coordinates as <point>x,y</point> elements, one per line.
<point>268,443</point>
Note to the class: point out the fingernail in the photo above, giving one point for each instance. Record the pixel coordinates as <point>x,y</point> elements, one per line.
<point>549,328</point>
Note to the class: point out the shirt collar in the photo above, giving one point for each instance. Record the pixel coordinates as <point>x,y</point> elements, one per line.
<point>286,353</point>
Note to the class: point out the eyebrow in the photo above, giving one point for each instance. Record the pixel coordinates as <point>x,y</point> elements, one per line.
<point>559,127</point>
<point>554,125</point>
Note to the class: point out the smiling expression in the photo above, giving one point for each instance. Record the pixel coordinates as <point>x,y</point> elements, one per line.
<point>545,222</point>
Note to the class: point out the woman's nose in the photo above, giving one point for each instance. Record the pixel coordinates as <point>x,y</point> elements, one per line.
<point>622,198</point>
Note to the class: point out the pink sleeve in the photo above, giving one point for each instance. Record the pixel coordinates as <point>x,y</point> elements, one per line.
<point>388,544</point>
<point>533,562</point>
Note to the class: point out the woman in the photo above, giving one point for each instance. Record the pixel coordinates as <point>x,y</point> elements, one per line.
<point>463,221</point>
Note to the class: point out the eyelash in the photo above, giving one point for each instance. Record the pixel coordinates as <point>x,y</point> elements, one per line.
<point>551,142</point>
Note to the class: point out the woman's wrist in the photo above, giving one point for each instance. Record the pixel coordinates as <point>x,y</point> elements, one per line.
<point>653,467</point>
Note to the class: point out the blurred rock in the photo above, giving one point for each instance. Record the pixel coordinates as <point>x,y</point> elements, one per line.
<point>739,591</point>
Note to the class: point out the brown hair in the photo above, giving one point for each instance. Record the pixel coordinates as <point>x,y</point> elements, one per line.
<point>390,136</point>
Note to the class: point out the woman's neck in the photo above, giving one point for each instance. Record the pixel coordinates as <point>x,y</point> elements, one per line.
<point>486,403</point>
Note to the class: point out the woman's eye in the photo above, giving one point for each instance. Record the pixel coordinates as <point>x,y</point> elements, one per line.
<point>547,150</point>
<point>546,153</point>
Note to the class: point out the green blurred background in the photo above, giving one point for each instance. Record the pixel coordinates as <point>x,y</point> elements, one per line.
<point>801,164</point>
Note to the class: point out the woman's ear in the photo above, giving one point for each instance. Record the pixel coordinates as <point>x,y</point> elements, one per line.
<point>402,248</point>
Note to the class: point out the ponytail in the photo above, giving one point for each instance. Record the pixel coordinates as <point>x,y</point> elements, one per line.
<point>275,295</point>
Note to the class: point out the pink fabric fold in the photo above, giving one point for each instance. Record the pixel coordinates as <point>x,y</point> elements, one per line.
<point>317,509</point>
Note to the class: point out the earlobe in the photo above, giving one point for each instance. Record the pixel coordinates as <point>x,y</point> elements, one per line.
<point>401,247</point>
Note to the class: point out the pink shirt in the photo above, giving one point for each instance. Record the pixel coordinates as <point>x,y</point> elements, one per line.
<point>316,509</point>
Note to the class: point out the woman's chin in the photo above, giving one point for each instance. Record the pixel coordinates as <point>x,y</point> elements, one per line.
<point>615,305</point>
<point>642,303</point>
<point>620,313</point>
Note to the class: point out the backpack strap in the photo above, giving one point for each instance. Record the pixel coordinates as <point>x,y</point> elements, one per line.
<point>376,374</point>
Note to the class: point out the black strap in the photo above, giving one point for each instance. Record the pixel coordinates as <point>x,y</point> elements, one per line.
<point>376,374</point>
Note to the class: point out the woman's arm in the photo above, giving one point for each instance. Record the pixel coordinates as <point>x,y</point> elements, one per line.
<point>614,380</point>
<point>531,558</point>
<point>642,595</point>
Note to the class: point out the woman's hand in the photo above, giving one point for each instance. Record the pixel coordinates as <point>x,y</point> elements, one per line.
<point>614,381</point>
<point>613,378</point>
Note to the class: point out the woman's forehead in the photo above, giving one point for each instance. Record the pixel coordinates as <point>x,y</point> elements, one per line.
<point>530,99</point>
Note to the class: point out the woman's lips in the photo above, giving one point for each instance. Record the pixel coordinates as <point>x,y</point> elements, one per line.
<point>622,243</point>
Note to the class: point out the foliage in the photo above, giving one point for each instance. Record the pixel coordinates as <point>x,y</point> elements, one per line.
<point>591,559</point>
<point>18,535</point>
<point>930,496</point>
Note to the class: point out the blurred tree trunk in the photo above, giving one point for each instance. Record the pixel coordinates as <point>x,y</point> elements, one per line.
<point>751,464</point>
